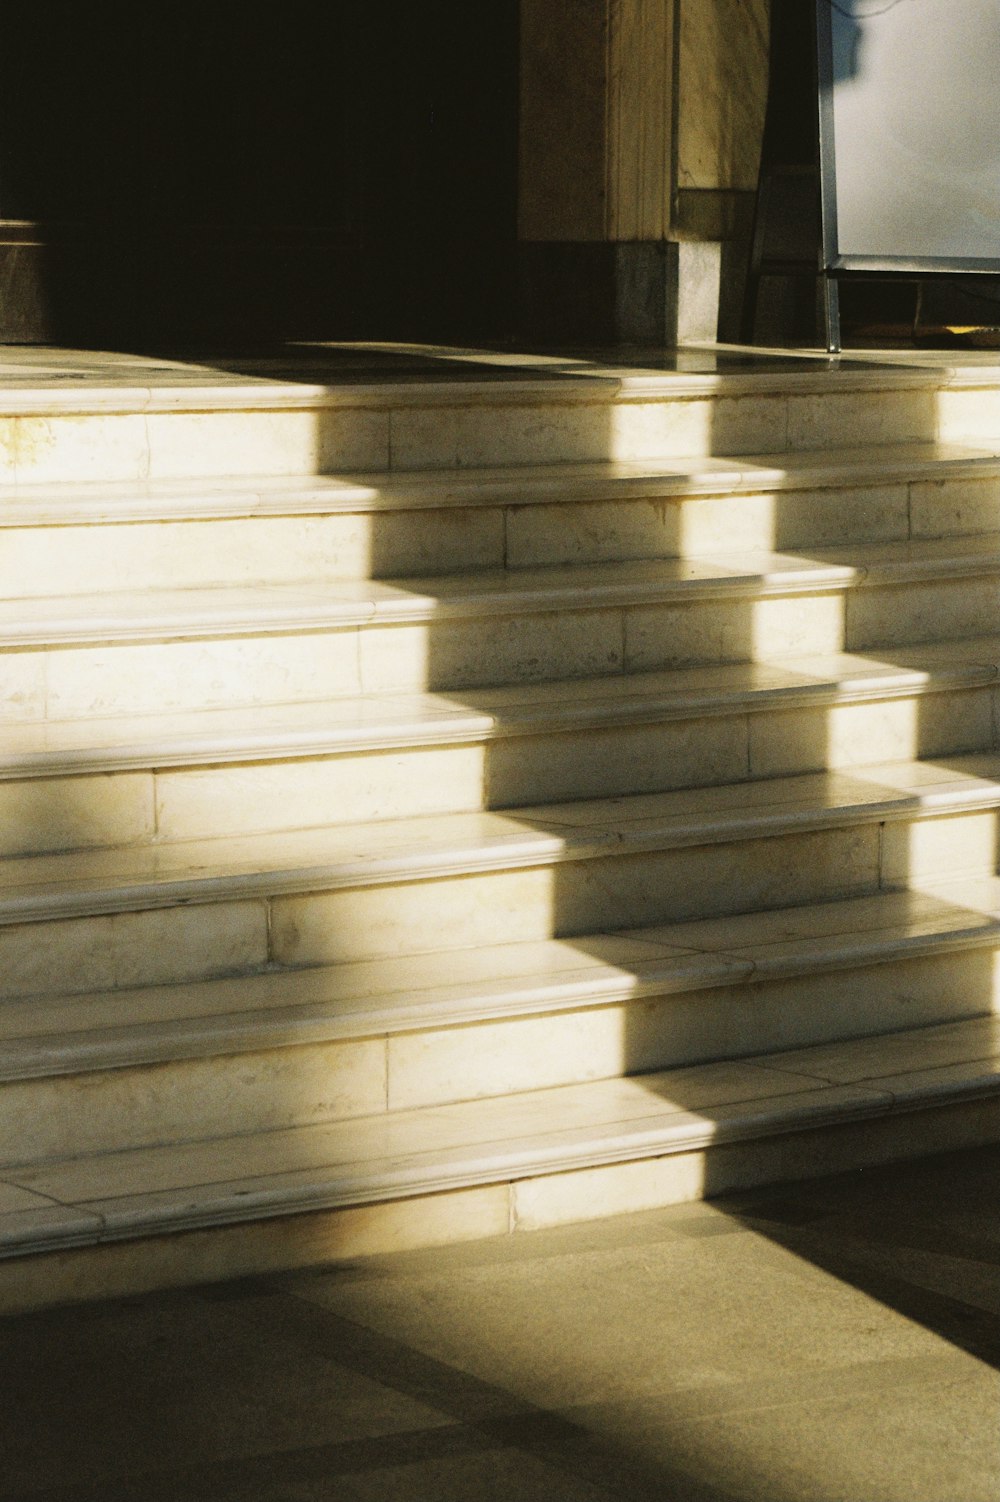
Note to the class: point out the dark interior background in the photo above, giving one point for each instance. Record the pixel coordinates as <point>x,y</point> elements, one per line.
<point>187,173</point>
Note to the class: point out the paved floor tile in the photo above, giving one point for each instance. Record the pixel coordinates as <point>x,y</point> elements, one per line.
<point>830,1340</point>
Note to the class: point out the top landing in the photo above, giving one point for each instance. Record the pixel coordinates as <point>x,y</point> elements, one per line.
<point>303,374</point>
<point>310,409</point>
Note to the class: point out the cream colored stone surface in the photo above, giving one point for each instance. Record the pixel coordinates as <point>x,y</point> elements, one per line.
<point>155,677</point>
<point>653,430</point>
<point>679,427</point>
<point>828,517</point>
<point>961,845</point>
<point>437,1008</point>
<point>353,438</point>
<point>966,415</point>
<point>469,436</point>
<point>844,418</point>
<point>656,1033</point>
<point>832,1003</point>
<point>533,1053</point>
<point>292,442</point>
<point>256,731</point>
<point>129,949</point>
<point>732,630</point>
<point>509,906</point>
<point>763,807</point>
<point>602,531</point>
<point>8,449</point>
<point>922,1051</point>
<point>798,625</point>
<point>748,424</point>
<point>663,887</point>
<point>84,446</point>
<point>150,555</point>
<point>144,1107</point>
<point>407,992</point>
<point>22,686</point>
<point>588,1194</point>
<point>341,789</point>
<point>590,763</point>
<point>944,508</point>
<point>155,555</point>
<point>402,542</point>
<point>45,814</point>
<point>452,655</point>
<point>777,1012</point>
<point>929,611</point>
<point>853,735</point>
<point>689,525</point>
<point>379,1157</point>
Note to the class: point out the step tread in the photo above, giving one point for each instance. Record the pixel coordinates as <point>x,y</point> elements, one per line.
<point>69,1034</point>
<point>227,1180</point>
<point>373,721</point>
<point>270,608</point>
<point>94,503</point>
<point>116,879</point>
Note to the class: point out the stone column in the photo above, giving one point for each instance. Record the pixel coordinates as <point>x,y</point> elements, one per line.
<point>640,127</point>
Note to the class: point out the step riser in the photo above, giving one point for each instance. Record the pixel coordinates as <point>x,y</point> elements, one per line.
<point>453,655</point>
<point>42,815</point>
<point>622,1189</point>
<point>271,1089</point>
<point>604,893</point>
<point>492,1210</point>
<point>55,560</point>
<point>118,950</point>
<point>49,560</point>
<point>476,432</point>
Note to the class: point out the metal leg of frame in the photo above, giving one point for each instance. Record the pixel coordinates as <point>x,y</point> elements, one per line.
<point>831,313</point>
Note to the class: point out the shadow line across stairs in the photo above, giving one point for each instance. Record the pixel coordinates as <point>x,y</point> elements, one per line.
<point>447,793</point>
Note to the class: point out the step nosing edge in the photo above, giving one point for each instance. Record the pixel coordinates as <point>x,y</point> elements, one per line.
<point>551,718</point>
<point>241,1207</point>
<point>232,1034</point>
<point>556,845</point>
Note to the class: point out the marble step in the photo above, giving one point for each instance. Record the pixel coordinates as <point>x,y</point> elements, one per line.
<point>104,782</point>
<point>115,1070</point>
<point>191,910</point>
<point>538,1158</point>
<point>81,538</point>
<point>135,652</point>
<point>205,424</point>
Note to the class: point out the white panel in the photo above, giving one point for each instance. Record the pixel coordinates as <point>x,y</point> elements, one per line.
<point>916,116</point>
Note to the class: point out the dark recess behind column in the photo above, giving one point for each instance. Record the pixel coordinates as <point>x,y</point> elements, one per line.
<point>224,173</point>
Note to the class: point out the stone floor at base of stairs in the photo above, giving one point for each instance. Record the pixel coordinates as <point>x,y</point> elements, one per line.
<point>834,1339</point>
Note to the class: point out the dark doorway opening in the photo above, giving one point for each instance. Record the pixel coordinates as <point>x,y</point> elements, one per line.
<point>227,175</point>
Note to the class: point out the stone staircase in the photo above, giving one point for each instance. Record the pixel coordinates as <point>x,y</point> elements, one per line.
<point>435,808</point>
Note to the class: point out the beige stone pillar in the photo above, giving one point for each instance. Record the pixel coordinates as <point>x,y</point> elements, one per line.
<point>639,136</point>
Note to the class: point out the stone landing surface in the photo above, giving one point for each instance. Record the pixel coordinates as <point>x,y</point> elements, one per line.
<point>833,1340</point>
